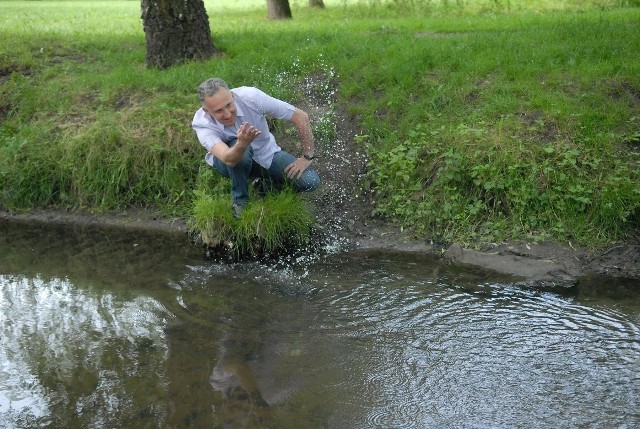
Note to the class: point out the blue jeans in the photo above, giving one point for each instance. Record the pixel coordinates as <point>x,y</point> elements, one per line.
<point>247,168</point>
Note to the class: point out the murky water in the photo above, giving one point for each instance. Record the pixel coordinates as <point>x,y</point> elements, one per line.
<point>111,329</point>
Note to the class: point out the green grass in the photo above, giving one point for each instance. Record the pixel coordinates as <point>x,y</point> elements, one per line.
<point>267,226</point>
<point>483,120</point>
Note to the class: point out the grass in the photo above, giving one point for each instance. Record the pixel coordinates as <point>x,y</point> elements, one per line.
<point>266,227</point>
<point>483,120</point>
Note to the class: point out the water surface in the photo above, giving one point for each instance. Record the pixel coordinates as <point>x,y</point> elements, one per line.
<point>106,328</point>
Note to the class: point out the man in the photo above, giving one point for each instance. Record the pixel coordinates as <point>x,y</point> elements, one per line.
<point>232,126</point>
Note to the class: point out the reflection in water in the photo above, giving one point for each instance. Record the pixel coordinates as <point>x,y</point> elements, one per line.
<point>70,355</point>
<point>108,329</point>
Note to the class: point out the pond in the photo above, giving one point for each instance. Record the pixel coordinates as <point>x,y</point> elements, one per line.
<point>104,328</point>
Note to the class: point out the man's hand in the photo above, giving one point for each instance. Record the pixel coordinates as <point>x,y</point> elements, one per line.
<point>246,134</point>
<point>297,167</point>
<point>231,155</point>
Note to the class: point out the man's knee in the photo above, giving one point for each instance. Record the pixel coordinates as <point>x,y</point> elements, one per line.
<point>242,167</point>
<point>310,181</point>
<point>245,162</point>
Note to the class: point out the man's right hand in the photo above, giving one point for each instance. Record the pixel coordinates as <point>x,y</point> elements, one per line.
<point>231,155</point>
<point>246,134</point>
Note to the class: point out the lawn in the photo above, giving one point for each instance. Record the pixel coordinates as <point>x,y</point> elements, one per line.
<point>481,120</point>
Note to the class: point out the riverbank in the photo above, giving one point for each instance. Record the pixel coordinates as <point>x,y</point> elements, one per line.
<point>541,264</point>
<point>487,126</point>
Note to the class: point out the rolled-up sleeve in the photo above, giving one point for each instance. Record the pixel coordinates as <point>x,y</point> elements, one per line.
<point>208,136</point>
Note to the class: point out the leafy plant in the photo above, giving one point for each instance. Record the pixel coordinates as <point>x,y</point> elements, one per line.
<point>483,192</point>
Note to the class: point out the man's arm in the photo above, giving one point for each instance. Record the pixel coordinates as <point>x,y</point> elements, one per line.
<point>300,120</point>
<point>231,155</point>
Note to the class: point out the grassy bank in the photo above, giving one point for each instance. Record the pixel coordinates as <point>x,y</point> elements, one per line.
<point>482,120</point>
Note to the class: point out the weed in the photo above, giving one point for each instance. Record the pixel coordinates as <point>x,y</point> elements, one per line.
<point>488,192</point>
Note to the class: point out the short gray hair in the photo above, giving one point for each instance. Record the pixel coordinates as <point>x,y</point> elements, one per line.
<point>210,87</point>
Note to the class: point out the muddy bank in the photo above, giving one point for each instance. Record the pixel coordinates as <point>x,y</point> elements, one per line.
<point>135,219</point>
<point>535,263</point>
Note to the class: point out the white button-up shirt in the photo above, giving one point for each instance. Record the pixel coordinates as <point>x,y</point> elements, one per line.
<point>252,106</point>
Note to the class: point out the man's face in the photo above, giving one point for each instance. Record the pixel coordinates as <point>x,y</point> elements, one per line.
<point>221,107</point>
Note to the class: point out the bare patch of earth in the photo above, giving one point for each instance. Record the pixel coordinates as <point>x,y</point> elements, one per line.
<point>344,215</point>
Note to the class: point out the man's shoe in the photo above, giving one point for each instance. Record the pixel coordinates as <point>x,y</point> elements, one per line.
<point>236,210</point>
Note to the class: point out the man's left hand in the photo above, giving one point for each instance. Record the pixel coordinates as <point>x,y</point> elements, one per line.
<point>297,167</point>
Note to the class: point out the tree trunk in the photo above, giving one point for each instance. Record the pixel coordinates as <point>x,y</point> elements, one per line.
<point>278,9</point>
<point>316,3</point>
<point>176,31</point>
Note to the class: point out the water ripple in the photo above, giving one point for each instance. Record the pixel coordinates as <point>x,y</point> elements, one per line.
<point>435,355</point>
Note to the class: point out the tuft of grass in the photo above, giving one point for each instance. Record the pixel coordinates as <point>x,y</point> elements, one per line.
<point>276,223</point>
<point>211,220</point>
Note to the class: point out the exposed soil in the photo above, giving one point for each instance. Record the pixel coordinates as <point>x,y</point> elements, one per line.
<point>344,213</point>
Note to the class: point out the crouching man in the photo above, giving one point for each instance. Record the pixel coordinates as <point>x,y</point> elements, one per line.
<point>232,126</point>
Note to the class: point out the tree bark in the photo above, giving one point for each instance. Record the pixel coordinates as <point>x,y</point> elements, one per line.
<point>278,9</point>
<point>316,3</point>
<point>176,31</point>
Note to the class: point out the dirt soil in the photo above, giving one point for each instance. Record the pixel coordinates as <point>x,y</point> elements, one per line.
<point>344,213</point>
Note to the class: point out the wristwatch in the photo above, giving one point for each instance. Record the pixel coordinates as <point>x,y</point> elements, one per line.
<point>309,158</point>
